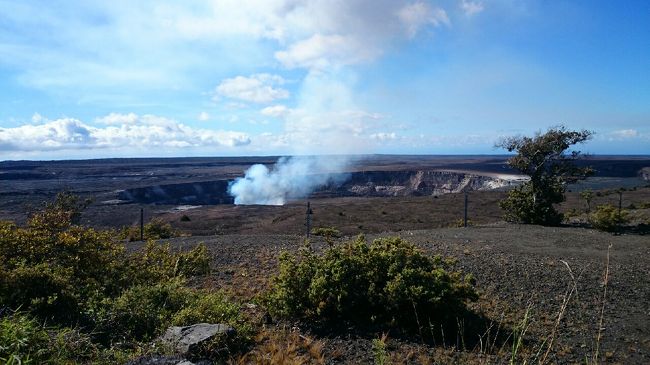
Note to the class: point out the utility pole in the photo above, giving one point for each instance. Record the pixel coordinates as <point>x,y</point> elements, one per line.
<point>308,219</point>
<point>465,215</point>
<point>141,224</point>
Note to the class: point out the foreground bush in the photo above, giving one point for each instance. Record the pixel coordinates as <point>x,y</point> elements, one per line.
<point>386,282</point>
<point>64,275</point>
<point>607,218</point>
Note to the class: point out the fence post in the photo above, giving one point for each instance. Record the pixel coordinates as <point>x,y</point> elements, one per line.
<point>465,215</point>
<point>308,219</point>
<point>141,224</point>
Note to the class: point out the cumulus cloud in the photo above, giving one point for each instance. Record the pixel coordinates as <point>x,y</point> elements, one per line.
<point>624,134</point>
<point>117,118</point>
<point>275,111</point>
<point>203,116</point>
<point>383,136</point>
<point>322,51</point>
<point>147,44</point>
<point>258,88</point>
<point>419,14</point>
<point>144,132</point>
<point>471,7</point>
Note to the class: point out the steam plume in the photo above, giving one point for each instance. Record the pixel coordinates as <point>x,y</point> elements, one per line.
<point>326,120</point>
<point>290,178</point>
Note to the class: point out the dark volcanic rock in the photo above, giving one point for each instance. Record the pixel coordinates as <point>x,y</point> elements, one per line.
<point>185,339</point>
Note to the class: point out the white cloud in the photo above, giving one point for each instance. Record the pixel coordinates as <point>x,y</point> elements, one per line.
<point>117,118</point>
<point>258,88</point>
<point>144,132</point>
<point>148,44</point>
<point>203,116</point>
<point>383,136</point>
<point>624,134</point>
<point>419,14</point>
<point>319,52</point>
<point>470,7</point>
<point>275,111</point>
<point>37,118</point>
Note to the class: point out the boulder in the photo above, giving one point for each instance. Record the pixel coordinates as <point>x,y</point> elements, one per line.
<point>184,340</point>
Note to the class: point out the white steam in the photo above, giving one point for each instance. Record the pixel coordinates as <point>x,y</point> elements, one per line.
<point>290,178</point>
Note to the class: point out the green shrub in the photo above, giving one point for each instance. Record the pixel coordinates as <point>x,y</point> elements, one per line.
<point>214,307</point>
<point>24,340</point>
<point>326,232</point>
<point>208,307</point>
<point>461,223</point>
<point>329,233</point>
<point>62,274</point>
<point>143,312</point>
<point>155,229</point>
<point>607,218</point>
<point>158,229</point>
<point>520,206</point>
<point>185,218</point>
<point>195,262</point>
<point>571,213</point>
<point>22,337</point>
<point>388,282</point>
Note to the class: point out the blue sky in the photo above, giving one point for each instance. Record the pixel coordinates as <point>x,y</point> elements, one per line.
<point>265,77</point>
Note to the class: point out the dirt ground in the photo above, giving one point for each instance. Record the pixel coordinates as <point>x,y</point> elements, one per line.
<point>519,269</point>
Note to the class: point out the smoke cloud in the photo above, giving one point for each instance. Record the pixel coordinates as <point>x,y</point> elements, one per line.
<point>290,178</point>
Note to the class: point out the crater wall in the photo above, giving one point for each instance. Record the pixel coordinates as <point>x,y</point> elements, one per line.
<point>364,183</point>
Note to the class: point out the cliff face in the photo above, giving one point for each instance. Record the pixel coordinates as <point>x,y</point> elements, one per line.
<point>197,193</point>
<point>407,183</point>
<point>366,183</point>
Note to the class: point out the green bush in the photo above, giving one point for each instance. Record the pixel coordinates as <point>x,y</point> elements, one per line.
<point>208,308</point>
<point>388,282</point>
<point>24,340</point>
<point>607,218</point>
<point>520,206</point>
<point>143,311</point>
<point>155,229</point>
<point>329,232</point>
<point>61,272</point>
<point>571,213</point>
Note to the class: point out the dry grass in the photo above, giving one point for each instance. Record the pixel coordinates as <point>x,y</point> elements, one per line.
<point>283,347</point>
